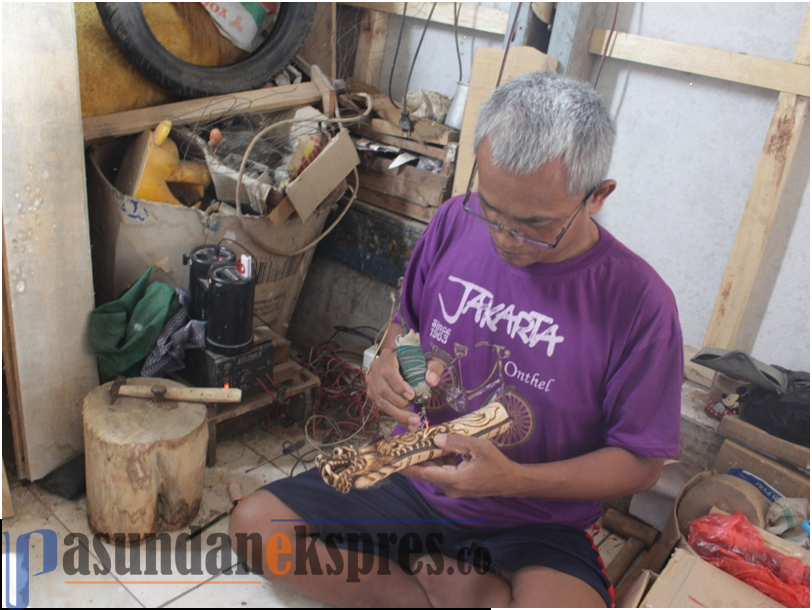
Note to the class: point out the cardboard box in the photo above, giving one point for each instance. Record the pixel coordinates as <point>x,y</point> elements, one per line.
<point>128,235</point>
<point>689,581</point>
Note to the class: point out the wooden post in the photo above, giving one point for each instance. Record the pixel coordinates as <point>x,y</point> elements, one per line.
<point>371,44</point>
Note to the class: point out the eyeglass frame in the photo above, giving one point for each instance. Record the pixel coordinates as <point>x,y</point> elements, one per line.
<point>517,234</point>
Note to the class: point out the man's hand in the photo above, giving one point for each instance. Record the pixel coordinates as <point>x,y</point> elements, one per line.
<point>482,471</point>
<point>389,391</point>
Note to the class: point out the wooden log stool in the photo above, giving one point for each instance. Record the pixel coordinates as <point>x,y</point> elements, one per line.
<point>144,462</point>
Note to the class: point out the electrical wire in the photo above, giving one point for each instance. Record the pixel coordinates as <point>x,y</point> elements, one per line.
<point>341,411</point>
<point>507,44</point>
<point>397,52</point>
<point>414,59</point>
<point>456,39</point>
<point>606,46</point>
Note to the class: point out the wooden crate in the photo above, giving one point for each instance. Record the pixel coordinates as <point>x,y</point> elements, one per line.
<point>407,190</point>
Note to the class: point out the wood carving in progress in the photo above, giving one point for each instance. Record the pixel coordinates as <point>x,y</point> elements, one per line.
<point>349,468</point>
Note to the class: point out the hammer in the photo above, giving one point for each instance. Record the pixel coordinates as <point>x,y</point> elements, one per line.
<point>159,393</point>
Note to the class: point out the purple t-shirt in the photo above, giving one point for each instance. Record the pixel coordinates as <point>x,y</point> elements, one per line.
<point>590,352</point>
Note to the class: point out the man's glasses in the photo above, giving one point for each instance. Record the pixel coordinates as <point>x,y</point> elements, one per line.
<point>518,234</point>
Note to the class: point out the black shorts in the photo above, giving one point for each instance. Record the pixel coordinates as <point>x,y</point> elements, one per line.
<point>395,519</point>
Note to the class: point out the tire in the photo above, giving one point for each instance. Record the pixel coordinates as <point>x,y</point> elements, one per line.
<point>127,27</point>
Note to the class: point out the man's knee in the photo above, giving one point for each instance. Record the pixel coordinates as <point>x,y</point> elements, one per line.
<point>254,521</point>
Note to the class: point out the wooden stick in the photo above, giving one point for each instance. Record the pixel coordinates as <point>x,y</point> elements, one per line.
<point>203,109</point>
<point>184,394</point>
<point>619,523</point>
<point>628,553</point>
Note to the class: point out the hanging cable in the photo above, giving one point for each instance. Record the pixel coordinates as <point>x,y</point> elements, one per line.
<point>456,39</point>
<point>397,51</point>
<point>606,46</point>
<point>417,51</point>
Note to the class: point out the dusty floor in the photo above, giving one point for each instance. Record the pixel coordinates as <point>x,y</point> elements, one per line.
<point>38,509</point>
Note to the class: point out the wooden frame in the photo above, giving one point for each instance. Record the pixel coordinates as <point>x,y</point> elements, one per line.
<point>482,18</point>
<point>792,79</point>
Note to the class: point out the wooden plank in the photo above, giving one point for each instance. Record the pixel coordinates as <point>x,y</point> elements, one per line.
<point>440,137</point>
<point>481,18</point>
<point>371,47</point>
<point>736,67</point>
<point>319,48</point>
<point>417,185</point>
<point>398,205</point>
<point>763,442</point>
<point>203,109</point>
<point>624,559</point>
<point>484,74</point>
<point>327,90</point>
<point>435,152</point>
<point>700,375</point>
<point>8,507</point>
<point>786,481</point>
<point>630,527</point>
<point>724,328</point>
<point>46,239</point>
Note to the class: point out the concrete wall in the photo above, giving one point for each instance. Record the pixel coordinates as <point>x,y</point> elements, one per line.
<point>686,153</point>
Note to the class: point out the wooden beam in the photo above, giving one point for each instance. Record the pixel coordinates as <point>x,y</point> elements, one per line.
<point>319,46</point>
<point>47,276</point>
<point>700,375</point>
<point>481,18</point>
<point>204,109</point>
<point>791,77</point>
<point>371,46</point>
<point>327,90</point>
<point>617,522</point>
<point>434,152</point>
<point>759,212</point>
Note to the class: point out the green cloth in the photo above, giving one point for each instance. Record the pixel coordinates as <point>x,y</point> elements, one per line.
<point>124,331</point>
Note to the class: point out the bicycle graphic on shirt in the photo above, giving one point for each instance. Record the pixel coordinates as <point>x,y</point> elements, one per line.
<point>451,391</point>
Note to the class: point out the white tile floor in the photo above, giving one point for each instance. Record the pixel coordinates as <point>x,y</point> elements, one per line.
<point>35,509</point>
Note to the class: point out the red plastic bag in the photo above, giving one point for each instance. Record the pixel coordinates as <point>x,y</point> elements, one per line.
<point>732,544</point>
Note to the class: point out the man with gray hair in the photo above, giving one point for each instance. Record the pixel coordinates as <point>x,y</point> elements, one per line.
<point>513,281</point>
